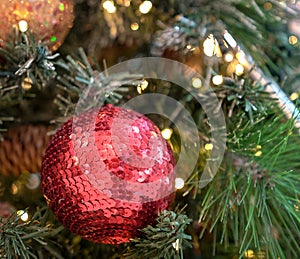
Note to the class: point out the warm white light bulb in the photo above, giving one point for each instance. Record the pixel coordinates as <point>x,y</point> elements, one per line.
<point>209,146</point>
<point>167,133</point>
<point>23,26</point>
<point>196,82</point>
<point>134,26</point>
<point>109,6</point>
<point>239,69</point>
<point>209,46</point>
<point>179,183</point>
<point>145,7</point>
<point>23,215</point>
<point>228,57</point>
<point>217,79</point>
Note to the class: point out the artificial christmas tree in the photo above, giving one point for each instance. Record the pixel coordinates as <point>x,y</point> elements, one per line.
<point>227,107</point>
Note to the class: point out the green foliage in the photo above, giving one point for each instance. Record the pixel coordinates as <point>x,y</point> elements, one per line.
<point>29,239</point>
<point>164,240</point>
<point>254,198</point>
<point>25,58</point>
<point>244,94</point>
<point>80,80</point>
<point>253,25</point>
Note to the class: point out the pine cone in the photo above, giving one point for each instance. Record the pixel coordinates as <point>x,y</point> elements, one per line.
<point>172,39</point>
<point>22,149</point>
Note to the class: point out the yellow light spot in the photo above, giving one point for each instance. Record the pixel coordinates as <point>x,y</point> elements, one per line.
<point>23,215</point>
<point>196,82</point>
<point>241,57</point>
<point>268,6</point>
<point>258,147</point>
<point>293,40</point>
<point>139,90</point>
<point>217,79</point>
<point>249,254</point>
<point>209,146</point>
<point>228,57</point>
<point>134,26</point>
<point>126,3</point>
<point>23,26</point>
<point>179,183</point>
<point>145,7</point>
<point>218,52</point>
<point>27,83</point>
<point>109,6</point>
<point>167,133</point>
<point>296,207</point>
<point>14,189</point>
<point>61,7</point>
<point>209,46</point>
<point>258,153</point>
<point>144,84</point>
<point>239,69</point>
<point>294,96</point>
<point>176,245</point>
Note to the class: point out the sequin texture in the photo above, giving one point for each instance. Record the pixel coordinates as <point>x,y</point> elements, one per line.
<point>49,20</point>
<point>107,173</point>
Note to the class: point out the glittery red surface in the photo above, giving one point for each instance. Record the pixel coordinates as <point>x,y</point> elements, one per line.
<point>107,181</point>
<point>48,20</point>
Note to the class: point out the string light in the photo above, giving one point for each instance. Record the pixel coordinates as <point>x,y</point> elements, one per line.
<point>14,189</point>
<point>179,183</point>
<point>167,133</point>
<point>239,69</point>
<point>23,215</point>
<point>145,7</point>
<point>134,26</point>
<point>176,245</point>
<point>268,6</point>
<point>209,146</point>
<point>293,40</point>
<point>209,46</point>
<point>230,40</point>
<point>196,82</point>
<point>228,57</point>
<point>258,153</point>
<point>26,83</point>
<point>127,3</point>
<point>23,26</point>
<point>109,6</point>
<point>257,150</point>
<point>241,57</point>
<point>294,96</point>
<point>142,86</point>
<point>249,254</point>
<point>217,79</point>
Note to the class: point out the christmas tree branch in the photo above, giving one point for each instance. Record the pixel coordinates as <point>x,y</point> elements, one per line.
<point>254,198</point>
<point>26,61</point>
<point>27,239</point>
<point>80,80</point>
<point>164,240</point>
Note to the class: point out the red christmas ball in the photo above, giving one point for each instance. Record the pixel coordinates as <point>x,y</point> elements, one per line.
<point>106,174</point>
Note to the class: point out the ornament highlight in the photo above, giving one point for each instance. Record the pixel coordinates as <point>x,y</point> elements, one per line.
<point>106,174</point>
<point>48,20</point>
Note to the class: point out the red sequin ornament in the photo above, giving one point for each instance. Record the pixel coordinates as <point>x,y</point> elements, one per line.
<point>107,173</point>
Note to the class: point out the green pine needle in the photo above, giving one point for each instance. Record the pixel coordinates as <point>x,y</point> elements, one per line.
<point>254,199</point>
<point>165,240</point>
<point>80,80</point>
<point>26,239</point>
